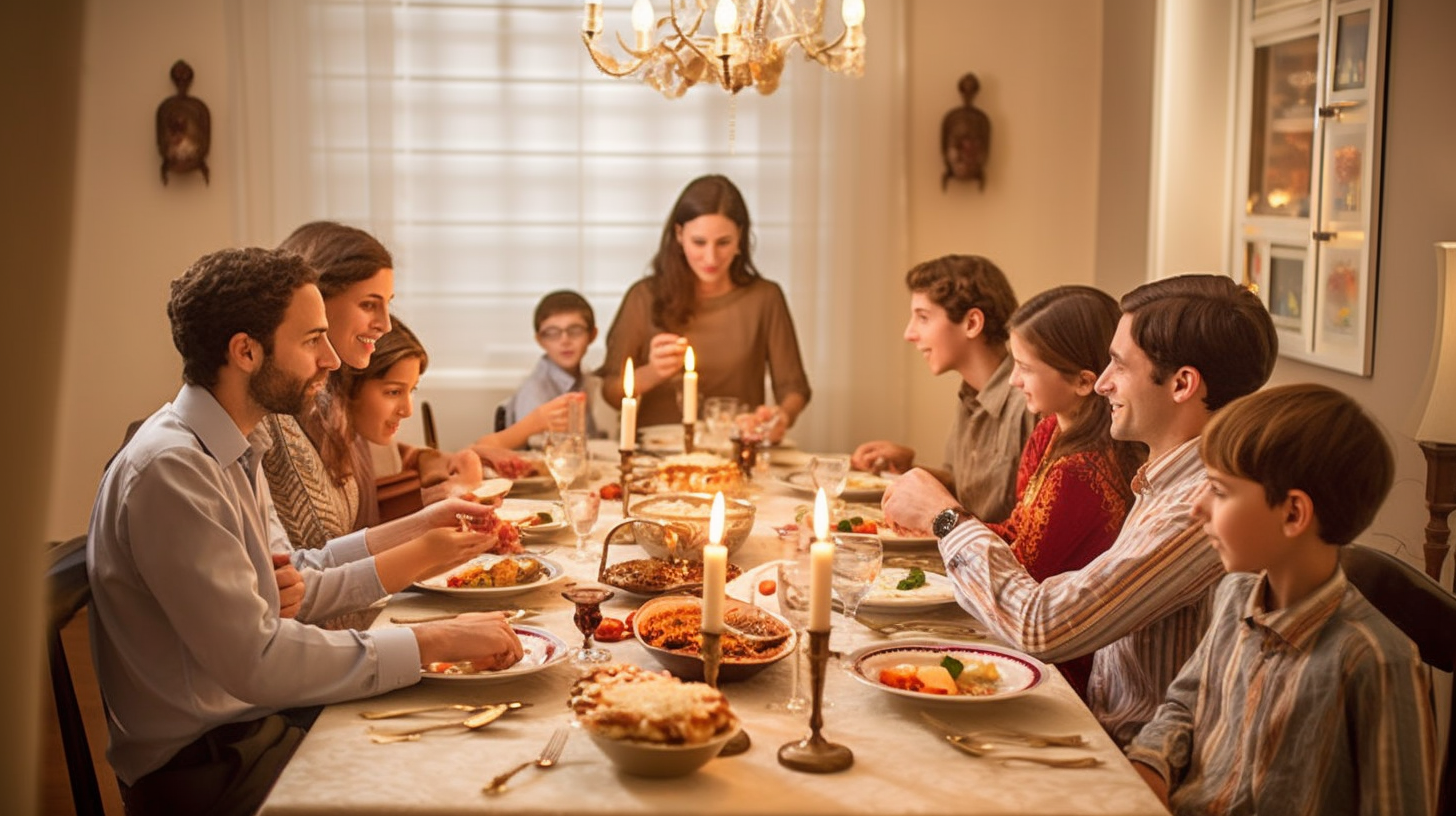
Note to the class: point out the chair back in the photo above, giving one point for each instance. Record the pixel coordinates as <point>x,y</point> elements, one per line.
<point>70,592</point>
<point>1423,610</point>
<point>427,416</point>
<point>500,417</point>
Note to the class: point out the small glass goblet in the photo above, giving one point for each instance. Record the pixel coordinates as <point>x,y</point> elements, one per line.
<point>566,457</point>
<point>857,559</point>
<point>830,473</point>
<point>793,593</point>
<point>582,507</point>
<point>588,617</point>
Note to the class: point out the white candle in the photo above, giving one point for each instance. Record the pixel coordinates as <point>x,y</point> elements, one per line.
<point>821,567</point>
<point>690,387</point>
<point>725,18</point>
<point>629,410</point>
<point>642,21</point>
<point>715,569</point>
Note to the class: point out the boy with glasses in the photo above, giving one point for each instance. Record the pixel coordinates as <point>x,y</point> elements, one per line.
<point>565,327</point>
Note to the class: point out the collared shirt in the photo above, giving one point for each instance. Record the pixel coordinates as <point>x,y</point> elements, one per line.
<point>1142,605</point>
<point>1319,709</point>
<point>185,627</point>
<point>984,447</point>
<point>546,382</point>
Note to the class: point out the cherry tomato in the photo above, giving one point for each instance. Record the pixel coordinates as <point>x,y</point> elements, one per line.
<point>767,587</point>
<point>611,491</point>
<point>627,624</point>
<point>611,630</point>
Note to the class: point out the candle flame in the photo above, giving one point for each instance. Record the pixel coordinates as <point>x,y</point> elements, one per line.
<point>689,361</point>
<point>821,516</point>
<point>715,520</point>
<point>628,381</point>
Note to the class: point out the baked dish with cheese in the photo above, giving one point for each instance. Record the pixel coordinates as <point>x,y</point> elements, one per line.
<point>626,702</point>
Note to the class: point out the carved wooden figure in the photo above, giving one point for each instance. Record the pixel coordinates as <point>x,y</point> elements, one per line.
<point>965,137</point>
<point>184,128</point>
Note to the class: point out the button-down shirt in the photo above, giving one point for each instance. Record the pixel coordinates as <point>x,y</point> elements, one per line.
<point>984,447</point>
<point>546,382</point>
<point>185,628</point>
<point>1142,605</point>
<point>1319,709</point>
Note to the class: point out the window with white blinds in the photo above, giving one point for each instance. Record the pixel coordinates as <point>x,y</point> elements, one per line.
<point>481,144</point>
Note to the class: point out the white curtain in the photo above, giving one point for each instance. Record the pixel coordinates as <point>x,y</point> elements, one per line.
<point>478,142</point>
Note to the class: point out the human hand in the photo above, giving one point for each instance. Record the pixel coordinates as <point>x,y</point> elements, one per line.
<point>665,354</point>
<point>1154,780</point>
<point>441,549</point>
<point>483,638</point>
<point>772,423</point>
<point>880,456</point>
<point>290,585</point>
<point>507,463</point>
<point>465,469</point>
<point>912,501</point>
<point>555,415</point>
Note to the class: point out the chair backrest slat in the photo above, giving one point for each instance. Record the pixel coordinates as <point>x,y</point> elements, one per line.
<point>70,592</point>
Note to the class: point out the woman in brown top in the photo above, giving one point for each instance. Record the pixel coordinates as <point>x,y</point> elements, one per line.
<point>705,291</point>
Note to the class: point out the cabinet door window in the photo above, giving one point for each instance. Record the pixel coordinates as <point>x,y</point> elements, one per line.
<point>1283,127</point>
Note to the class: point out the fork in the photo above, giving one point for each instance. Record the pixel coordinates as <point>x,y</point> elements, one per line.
<point>1031,740</point>
<point>546,759</point>
<point>982,749</point>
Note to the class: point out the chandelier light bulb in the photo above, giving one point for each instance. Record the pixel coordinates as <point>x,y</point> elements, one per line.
<point>726,17</point>
<point>643,16</point>
<point>854,12</point>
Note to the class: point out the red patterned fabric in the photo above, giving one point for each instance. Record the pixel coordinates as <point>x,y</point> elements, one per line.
<point>1068,511</point>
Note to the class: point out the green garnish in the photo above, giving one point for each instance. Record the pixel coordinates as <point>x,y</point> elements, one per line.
<point>950,664</point>
<point>844,526</point>
<point>915,578</point>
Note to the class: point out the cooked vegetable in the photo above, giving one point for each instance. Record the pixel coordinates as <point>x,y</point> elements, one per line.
<point>915,578</point>
<point>955,667</point>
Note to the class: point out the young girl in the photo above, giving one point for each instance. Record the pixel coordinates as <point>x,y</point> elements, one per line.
<point>1073,485</point>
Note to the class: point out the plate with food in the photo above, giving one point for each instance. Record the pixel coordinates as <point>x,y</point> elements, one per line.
<point>899,589</point>
<point>540,650</point>
<point>864,518</point>
<point>495,576</point>
<point>653,576</point>
<point>947,672</point>
<point>858,485</point>
<point>533,516</point>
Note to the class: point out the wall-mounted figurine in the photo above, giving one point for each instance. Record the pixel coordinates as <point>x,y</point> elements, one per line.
<point>965,137</point>
<point>184,128</point>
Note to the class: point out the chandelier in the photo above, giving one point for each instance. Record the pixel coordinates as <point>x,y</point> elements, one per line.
<point>747,49</point>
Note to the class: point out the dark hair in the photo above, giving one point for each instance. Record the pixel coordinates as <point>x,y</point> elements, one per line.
<point>674,286</point>
<point>228,292</point>
<point>1209,323</point>
<point>1306,437</point>
<point>399,343</point>
<point>343,255</point>
<point>960,283</point>
<point>562,301</point>
<point>1071,328</point>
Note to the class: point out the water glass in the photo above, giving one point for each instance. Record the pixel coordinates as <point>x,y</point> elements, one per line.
<point>582,507</point>
<point>718,415</point>
<point>566,457</point>
<point>857,559</point>
<point>793,594</point>
<point>830,473</point>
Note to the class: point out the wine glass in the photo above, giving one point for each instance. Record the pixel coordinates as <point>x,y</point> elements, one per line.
<point>565,457</point>
<point>857,559</point>
<point>830,473</point>
<point>588,617</point>
<point>718,414</point>
<point>582,507</point>
<point>793,593</point>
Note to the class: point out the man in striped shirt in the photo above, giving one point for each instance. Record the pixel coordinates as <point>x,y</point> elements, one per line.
<point>1185,347</point>
<point>1302,699</point>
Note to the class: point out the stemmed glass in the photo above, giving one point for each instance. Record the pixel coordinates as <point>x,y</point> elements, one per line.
<point>582,507</point>
<point>793,592</point>
<point>588,617</point>
<point>857,559</point>
<point>565,457</point>
<point>718,414</point>
<point>830,473</point>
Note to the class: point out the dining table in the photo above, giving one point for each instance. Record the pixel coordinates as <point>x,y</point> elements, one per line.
<point>901,762</point>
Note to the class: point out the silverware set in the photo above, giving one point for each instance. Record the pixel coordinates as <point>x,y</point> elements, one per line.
<point>983,743</point>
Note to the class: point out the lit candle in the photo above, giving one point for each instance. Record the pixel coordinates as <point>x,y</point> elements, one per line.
<point>725,18</point>
<point>821,567</point>
<point>642,19</point>
<point>715,569</point>
<point>690,387</point>
<point>629,410</point>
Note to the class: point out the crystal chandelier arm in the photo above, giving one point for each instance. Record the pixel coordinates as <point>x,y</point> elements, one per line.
<point>605,62</point>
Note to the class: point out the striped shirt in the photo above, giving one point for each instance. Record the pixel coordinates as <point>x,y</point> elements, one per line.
<point>1319,709</point>
<point>1142,605</point>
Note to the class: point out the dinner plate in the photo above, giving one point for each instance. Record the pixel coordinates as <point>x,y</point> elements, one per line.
<point>551,572</point>
<point>518,510</point>
<point>1020,673</point>
<point>541,650</point>
<point>937,591</point>
<point>661,438</point>
<point>859,487</point>
<point>888,537</point>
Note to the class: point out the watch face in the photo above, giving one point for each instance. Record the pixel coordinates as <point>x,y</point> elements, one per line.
<point>944,522</point>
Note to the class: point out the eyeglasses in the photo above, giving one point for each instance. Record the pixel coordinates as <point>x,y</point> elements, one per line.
<point>554,333</point>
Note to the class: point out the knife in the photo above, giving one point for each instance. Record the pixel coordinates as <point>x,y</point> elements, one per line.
<point>483,718</point>
<point>401,712</point>
<point>1033,740</point>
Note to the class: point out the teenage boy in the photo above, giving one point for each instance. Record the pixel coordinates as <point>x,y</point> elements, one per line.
<point>204,680</point>
<point>565,327</point>
<point>959,305</point>
<point>1184,347</point>
<point>1302,697</point>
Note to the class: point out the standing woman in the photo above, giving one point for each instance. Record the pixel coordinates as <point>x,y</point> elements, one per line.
<point>705,291</point>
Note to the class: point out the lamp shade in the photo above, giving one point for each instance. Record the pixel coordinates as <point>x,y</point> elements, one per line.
<point>1438,423</point>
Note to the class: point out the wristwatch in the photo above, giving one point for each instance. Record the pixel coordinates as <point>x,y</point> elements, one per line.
<point>947,520</point>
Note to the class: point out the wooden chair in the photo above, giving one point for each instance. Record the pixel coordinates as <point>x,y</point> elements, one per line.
<point>427,416</point>
<point>70,592</point>
<point>1424,611</point>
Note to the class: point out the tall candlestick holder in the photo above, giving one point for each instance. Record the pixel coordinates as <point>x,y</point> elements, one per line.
<point>712,659</point>
<point>688,436</point>
<point>626,470</point>
<point>814,754</point>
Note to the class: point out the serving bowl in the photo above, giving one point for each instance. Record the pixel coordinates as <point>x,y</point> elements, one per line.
<point>660,760</point>
<point>681,528</point>
<point>676,620</point>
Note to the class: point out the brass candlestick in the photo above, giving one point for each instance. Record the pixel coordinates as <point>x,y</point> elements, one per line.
<point>712,659</point>
<point>626,480</point>
<point>814,754</point>
<point>688,436</point>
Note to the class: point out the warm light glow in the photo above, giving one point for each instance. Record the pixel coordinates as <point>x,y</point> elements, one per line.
<point>689,361</point>
<point>715,520</point>
<point>628,381</point>
<point>643,16</point>
<point>726,17</point>
<point>853,11</point>
<point>821,516</point>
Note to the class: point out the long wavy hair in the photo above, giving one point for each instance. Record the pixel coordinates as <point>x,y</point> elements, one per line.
<point>674,286</point>
<point>1070,328</point>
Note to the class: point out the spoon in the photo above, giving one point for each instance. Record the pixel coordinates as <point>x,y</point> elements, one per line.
<point>982,749</point>
<point>404,712</point>
<point>474,721</point>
